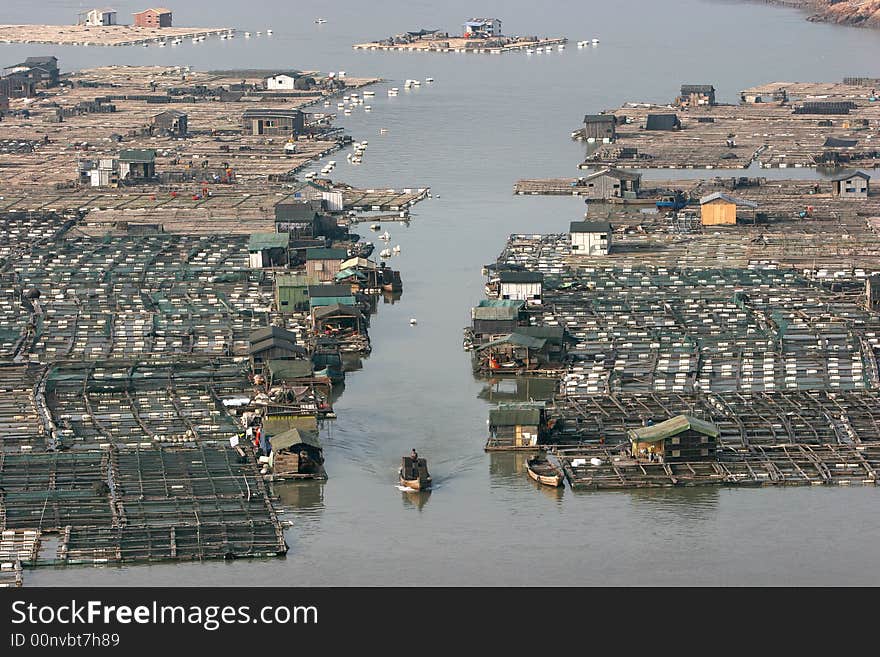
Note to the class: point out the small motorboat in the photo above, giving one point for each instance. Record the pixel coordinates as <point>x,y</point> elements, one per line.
<point>413,473</point>
<point>545,472</point>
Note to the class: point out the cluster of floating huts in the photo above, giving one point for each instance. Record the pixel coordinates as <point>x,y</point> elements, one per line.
<point>706,331</point>
<point>178,313</point>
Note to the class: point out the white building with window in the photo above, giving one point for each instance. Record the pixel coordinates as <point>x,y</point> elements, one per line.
<point>590,237</point>
<point>522,286</point>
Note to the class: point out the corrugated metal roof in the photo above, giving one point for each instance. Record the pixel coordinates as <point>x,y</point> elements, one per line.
<point>516,339</point>
<point>317,302</point>
<point>321,253</point>
<point>520,277</point>
<point>590,227</point>
<point>293,437</point>
<point>672,427</point>
<point>262,241</point>
<point>511,417</point>
<point>730,199</point>
<point>846,175</point>
<point>499,313</point>
<point>137,155</point>
<point>291,368</point>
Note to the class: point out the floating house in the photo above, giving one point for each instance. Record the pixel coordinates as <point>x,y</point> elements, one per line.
<point>610,183</point>
<point>273,343</point>
<point>278,122</point>
<point>323,264</point>
<point>291,292</point>
<point>695,95</point>
<point>514,353</point>
<point>514,425</point>
<point>681,438</point>
<point>720,209</point>
<point>137,164</point>
<point>496,317</point>
<point>522,285</point>
<point>281,81</point>
<point>97,17</point>
<point>268,250</point>
<point>481,27</point>
<point>171,123</point>
<point>297,454</point>
<point>600,127</point>
<point>590,237</point>
<point>338,321</point>
<point>662,122</point>
<point>153,17</point>
<point>850,184</point>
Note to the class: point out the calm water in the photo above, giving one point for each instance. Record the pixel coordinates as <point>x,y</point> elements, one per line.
<point>487,121</point>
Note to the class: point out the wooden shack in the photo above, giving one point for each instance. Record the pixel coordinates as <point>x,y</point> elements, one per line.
<point>872,292</point>
<point>516,425</point>
<point>694,95</point>
<point>681,438</point>
<point>171,123</point>
<point>268,250</point>
<point>662,122</point>
<point>297,454</point>
<point>720,209</point>
<point>153,17</point>
<point>850,184</point>
<point>496,317</point>
<point>267,121</point>
<point>337,320</point>
<point>609,183</point>
<point>323,264</point>
<point>137,164</point>
<point>600,127</point>
<point>273,343</point>
<point>291,292</point>
<point>590,237</point>
<point>512,354</point>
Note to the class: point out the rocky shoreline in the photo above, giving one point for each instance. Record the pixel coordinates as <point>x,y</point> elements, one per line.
<point>857,13</point>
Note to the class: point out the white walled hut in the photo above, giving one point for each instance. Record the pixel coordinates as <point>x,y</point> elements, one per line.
<point>590,237</point>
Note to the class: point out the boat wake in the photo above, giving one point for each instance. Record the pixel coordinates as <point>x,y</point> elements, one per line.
<point>406,489</point>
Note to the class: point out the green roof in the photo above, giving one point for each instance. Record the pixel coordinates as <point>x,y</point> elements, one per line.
<point>320,253</point>
<point>137,155</point>
<point>672,427</point>
<point>291,368</point>
<point>293,437</point>
<point>496,313</point>
<point>345,273</point>
<point>263,241</point>
<point>553,334</point>
<point>293,280</point>
<point>315,302</point>
<point>511,417</point>
<point>501,303</point>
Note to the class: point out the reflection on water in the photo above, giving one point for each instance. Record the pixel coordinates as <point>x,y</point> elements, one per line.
<point>518,389</point>
<point>695,503</point>
<point>301,498</point>
<point>508,471</point>
<point>391,297</point>
<point>416,499</point>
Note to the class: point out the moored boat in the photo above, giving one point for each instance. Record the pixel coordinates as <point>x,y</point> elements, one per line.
<point>545,472</point>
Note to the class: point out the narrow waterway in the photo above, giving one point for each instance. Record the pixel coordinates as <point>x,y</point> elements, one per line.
<point>486,121</point>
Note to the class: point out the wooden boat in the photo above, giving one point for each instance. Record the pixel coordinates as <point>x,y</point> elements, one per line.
<point>414,474</point>
<point>544,472</point>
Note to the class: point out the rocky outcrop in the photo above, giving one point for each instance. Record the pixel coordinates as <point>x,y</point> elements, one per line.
<point>859,13</point>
